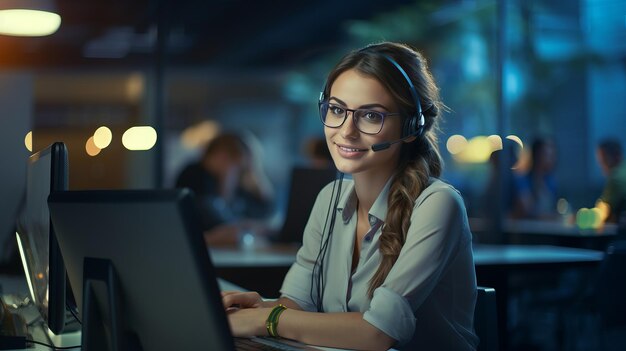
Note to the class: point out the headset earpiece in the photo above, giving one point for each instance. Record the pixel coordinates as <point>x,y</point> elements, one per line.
<point>413,126</point>
<point>322,97</point>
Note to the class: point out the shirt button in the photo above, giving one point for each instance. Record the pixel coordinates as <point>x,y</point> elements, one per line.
<point>368,238</point>
<point>372,220</point>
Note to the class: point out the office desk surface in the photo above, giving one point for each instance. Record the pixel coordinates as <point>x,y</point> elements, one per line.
<point>559,228</point>
<point>484,255</point>
<point>251,258</point>
<point>264,270</point>
<point>535,232</point>
<point>532,254</point>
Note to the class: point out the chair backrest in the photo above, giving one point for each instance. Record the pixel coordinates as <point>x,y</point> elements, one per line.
<point>306,183</point>
<point>610,287</point>
<point>486,319</point>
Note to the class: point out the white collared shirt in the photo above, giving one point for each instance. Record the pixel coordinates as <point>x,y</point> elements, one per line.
<point>427,300</point>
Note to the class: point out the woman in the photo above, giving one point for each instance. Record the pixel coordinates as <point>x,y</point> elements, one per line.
<point>231,189</point>
<point>386,259</point>
<point>612,202</point>
<point>535,193</point>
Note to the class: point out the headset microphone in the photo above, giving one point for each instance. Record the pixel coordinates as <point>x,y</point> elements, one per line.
<point>385,145</point>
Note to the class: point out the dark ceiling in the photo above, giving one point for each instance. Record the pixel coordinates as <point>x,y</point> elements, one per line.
<point>236,33</point>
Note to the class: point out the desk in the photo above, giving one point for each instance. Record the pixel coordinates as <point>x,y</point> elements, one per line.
<point>495,266</point>
<point>16,286</point>
<point>504,256</point>
<point>529,231</point>
<point>486,257</point>
<point>557,233</point>
<point>260,270</point>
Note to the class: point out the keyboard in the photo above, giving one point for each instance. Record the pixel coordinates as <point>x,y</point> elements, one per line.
<point>245,344</point>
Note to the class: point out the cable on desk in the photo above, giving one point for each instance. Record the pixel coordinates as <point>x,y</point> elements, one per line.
<point>73,313</point>
<point>52,346</point>
<point>37,320</point>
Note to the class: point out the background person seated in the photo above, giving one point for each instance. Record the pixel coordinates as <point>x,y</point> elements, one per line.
<point>232,191</point>
<point>612,202</point>
<point>317,153</point>
<point>535,193</point>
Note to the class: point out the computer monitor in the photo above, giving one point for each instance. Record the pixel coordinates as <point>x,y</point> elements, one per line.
<point>140,269</point>
<point>305,184</point>
<point>47,172</point>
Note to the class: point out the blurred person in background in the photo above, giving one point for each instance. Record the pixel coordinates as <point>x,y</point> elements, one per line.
<point>232,191</point>
<point>492,201</point>
<point>612,202</point>
<point>535,192</point>
<point>317,153</point>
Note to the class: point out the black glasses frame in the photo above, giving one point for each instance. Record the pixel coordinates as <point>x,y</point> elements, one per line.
<point>324,106</point>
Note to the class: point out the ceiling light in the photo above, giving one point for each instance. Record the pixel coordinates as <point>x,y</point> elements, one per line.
<point>28,18</point>
<point>139,138</point>
<point>102,137</point>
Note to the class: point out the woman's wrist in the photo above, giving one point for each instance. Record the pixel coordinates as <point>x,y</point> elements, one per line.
<point>264,312</point>
<point>273,319</point>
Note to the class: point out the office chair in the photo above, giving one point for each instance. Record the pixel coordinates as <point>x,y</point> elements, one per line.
<point>610,290</point>
<point>306,183</point>
<point>486,319</point>
<point>597,315</point>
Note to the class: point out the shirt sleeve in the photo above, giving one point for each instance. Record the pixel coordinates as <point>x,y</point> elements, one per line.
<point>437,226</point>
<point>297,283</point>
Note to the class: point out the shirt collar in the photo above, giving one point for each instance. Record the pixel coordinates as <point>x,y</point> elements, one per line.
<point>348,201</point>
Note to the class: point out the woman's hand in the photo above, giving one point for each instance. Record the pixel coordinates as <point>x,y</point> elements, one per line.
<point>248,322</point>
<point>241,300</point>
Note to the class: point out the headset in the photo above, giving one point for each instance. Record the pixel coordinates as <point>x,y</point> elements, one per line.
<point>413,125</point>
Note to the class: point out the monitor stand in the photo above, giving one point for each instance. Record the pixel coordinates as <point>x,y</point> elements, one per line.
<point>102,319</point>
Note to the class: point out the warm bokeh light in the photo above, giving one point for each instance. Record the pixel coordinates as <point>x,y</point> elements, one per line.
<point>478,150</point>
<point>516,139</point>
<point>102,137</point>
<point>28,23</point>
<point>456,144</point>
<point>198,135</point>
<point>596,218</point>
<point>604,208</point>
<point>139,138</point>
<point>28,141</point>
<point>495,141</point>
<point>522,163</point>
<point>135,87</point>
<point>91,148</point>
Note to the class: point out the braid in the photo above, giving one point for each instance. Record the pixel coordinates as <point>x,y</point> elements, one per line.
<point>408,184</point>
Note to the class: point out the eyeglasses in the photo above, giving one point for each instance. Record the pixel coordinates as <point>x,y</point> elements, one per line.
<point>366,121</point>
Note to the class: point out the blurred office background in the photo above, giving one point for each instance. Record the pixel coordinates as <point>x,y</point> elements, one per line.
<point>190,69</point>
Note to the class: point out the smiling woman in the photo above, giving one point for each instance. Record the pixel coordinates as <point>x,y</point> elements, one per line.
<point>387,254</point>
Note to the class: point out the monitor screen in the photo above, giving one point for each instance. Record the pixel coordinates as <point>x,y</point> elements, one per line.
<point>47,172</point>
<point>136,259</point>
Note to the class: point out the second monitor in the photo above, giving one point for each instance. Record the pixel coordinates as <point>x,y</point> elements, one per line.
<point>140,258</point>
